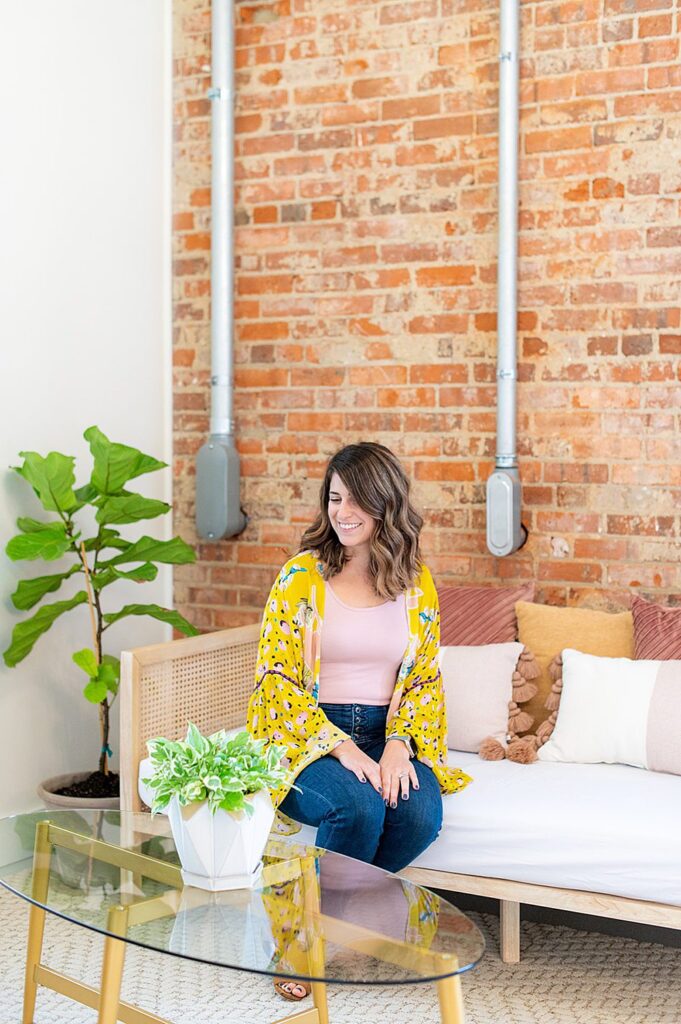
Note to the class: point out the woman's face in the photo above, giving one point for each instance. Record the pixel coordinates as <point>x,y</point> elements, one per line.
<point>353,526</point>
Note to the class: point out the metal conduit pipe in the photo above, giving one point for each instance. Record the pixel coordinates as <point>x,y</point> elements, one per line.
<point>218,509</point>
<point>505,532</point>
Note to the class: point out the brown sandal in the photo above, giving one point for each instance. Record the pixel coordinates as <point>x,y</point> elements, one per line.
<point>279,988</point>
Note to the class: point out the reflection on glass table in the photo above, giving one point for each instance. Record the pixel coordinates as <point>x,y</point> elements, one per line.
<point>313,915</point>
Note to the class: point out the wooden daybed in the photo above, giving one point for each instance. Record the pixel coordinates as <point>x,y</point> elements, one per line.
<point>208,680</point>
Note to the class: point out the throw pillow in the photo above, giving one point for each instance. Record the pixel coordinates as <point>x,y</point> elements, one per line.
<point>657,630</point>
<point>470,616</point>
<point>483,689</point>
<point>547,630</point>
<point>618,711</point>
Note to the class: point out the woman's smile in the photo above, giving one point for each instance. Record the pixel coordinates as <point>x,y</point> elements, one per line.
<point>353,526</point>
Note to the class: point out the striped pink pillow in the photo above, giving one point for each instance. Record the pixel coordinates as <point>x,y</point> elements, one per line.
<point>472,616</point>
<point>657,631</point>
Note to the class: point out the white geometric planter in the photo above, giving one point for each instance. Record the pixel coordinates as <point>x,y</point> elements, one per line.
<point>222,850</point>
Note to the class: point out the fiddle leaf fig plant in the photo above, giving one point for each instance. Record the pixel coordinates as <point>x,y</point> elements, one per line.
<point>98,561</point>
<point>220,769</point>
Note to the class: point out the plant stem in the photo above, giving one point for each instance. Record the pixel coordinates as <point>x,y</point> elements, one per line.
<point>91,603</point>
<point>104,706</point>
<point>96,623</point>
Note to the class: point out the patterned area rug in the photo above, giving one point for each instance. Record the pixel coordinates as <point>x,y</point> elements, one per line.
<point>566,977</point>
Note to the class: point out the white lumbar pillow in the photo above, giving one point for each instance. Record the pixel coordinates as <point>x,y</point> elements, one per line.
<point>618,711</point>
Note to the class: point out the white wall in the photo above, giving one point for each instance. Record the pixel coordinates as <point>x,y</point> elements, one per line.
<point>85,115</point>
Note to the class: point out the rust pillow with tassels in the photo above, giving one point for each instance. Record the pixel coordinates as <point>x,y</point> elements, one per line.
<point>546,630</point>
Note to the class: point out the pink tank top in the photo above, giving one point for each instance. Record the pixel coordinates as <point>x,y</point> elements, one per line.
<point>362,650</point>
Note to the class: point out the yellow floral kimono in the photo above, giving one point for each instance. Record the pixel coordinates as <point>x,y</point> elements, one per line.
<point>284,706</point>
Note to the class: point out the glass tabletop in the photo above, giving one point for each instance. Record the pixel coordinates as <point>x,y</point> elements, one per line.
<point>313,915</point>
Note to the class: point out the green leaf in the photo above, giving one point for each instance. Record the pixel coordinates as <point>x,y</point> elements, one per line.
<point>29,592</point>
<point>173,618</point>
<point>95,691</point>
<point>147,549</point>
<point>86,494</point>
<point>87,660</point>
<point>130,508</point>
<point>104,678</point>
<point>28,525</point>
<point>115,464</point>
<point>26,633</point>
<point>52,478</point>
<point>211,781</point>
<point>107,539</point>
<point>141,574</point>
<point>196,741</point>
<point>109,675</point>
<point>38,540</point>
<point>235,802</point>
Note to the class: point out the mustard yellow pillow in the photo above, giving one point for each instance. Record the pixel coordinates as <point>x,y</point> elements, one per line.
<point>546,630</point>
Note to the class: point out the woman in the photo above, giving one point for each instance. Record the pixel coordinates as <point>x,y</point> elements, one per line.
<point>359,705</point>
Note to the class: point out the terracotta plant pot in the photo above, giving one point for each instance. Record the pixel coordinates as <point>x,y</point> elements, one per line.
<point>222,850</point>
<point>46,792</point>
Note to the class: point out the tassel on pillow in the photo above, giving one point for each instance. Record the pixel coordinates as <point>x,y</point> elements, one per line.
<point>552,702</point>
<point>522,690</point>
<point>528,666</point>
<point>522,751</point>
<point>491,750</point>
<point>546,728</point>
<point>518,721</point>
<point>526,669</point>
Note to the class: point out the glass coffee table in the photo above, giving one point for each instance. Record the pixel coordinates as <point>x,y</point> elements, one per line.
<point>313,916</point>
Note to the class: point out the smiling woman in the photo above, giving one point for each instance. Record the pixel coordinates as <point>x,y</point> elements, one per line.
<point>358,705</point>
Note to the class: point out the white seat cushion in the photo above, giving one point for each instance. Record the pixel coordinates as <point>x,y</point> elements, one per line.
<point>595,827</point>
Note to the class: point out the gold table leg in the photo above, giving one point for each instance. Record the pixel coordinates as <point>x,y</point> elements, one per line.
<point>42,853</point>
<point>316,946</point>
<point>112,967</point>
<point>451,1000</point>
<point>302,1017</point>
<point>319,1000</point>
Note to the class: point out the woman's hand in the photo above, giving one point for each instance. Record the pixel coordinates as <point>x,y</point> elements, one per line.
<point>355,760</point>
<point>397,772</point>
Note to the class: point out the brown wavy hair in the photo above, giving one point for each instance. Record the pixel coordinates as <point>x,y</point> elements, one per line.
<point>379,485</point>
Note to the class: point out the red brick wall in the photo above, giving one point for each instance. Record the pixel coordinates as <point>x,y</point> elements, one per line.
<point>366,250</point>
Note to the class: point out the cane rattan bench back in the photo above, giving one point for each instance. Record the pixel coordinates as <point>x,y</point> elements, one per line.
<point>206,680</point>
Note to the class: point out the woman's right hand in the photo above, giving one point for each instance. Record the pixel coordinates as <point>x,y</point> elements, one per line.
<point>355,760</point>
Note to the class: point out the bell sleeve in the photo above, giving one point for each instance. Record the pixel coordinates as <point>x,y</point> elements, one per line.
<point>283,707</point>
<point>420,714</point>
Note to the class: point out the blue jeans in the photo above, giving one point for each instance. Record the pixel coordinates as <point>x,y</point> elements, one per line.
<point>350,816</point>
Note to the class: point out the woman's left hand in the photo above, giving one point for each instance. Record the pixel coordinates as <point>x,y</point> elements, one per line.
<point>397,772</point>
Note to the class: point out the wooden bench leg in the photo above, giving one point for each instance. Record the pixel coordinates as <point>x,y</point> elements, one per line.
<point>509,914</point>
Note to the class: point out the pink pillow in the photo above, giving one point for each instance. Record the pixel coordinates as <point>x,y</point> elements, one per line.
<point>657,631</point>
<point>470,616</point>
<point>478,684</point>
